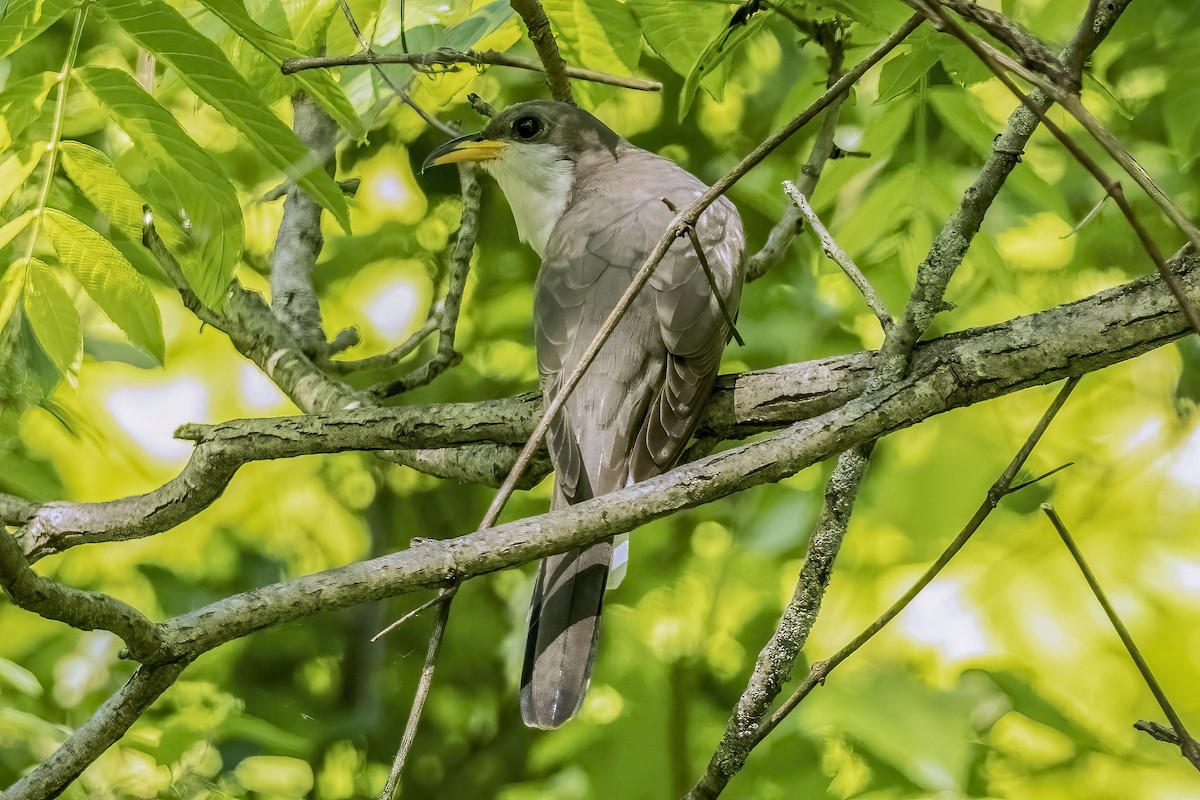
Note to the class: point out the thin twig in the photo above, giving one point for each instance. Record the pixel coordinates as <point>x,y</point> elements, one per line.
<point>442,596</point>
<point>840,257</point>
<point>820,670</point>
<point>1188,746</point>
<point>448,60</point>
<point>992,59</point>
<point>397,353</point>
<point>779,240</point>
<point>538,26</point>
<point>708,273</point>
<point>679,228</point>
<point>365,44</point>
<point>460,266</point>
<point>414,715</point>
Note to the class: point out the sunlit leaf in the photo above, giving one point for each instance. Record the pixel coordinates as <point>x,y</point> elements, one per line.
<point>109,279</point>
<point>205,69</point>
<point>52,315</point>
<point>25,19</point>
<point>20,104</point>
<point>317,83</point>
<point>195,190</point>
<point>726,41</point>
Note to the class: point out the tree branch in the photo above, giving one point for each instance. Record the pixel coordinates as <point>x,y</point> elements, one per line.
<point>299,240</point>
<point>447,58</point>
<point>1188,747</point>
<point>86,611</point>
<point>1089,334</point>
<point>90,740</point>
<point>538,25</point>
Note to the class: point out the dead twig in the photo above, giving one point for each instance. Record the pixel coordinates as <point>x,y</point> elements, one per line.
<point>1188,746</point>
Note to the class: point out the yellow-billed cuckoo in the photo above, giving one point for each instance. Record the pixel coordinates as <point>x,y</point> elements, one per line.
<point>592,206</point>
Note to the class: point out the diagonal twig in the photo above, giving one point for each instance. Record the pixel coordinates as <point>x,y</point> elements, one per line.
<point>1003,487</point>
<point>993,59</point>
<point>678,229</point>
<point>840,257</point>
<point>1188,746</point>
<point>708,274</point>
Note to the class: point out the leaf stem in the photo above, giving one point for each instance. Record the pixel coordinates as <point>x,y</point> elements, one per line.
<point>60,107</point>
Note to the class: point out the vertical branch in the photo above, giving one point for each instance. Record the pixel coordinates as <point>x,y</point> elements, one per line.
<point>538,25</point>
<point>392,786</point>
<point>299,241</point>
<point>779,240</point>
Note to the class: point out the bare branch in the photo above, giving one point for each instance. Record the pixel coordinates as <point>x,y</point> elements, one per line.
<point>779,240</point>
<point>538,25</point>
<point>86,611</point>
<point>298,241</point>
<point>392,787</point>
<point>448,59</point>
<point>1070,340</point>
<point>1003,487</point>
<point>1188,746</point>
<point>993,59</point>
<point>460,265</point>
<point>839,257</point>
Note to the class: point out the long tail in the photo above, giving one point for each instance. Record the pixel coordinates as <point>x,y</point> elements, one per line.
<point>564,626</point>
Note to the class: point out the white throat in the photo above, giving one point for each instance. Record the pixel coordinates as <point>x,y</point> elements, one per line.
<point>537,181</point>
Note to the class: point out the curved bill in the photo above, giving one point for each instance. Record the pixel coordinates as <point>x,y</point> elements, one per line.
<point>472,147</point>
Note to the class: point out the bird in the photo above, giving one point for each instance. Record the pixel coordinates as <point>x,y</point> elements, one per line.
<point>593,206</point>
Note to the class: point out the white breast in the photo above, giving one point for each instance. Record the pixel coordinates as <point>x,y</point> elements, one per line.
<point>537,181</point>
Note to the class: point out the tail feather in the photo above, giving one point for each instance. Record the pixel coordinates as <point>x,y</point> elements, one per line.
<point>564,626</point>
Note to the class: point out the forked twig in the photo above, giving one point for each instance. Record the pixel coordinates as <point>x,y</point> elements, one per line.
<point>708,273</point>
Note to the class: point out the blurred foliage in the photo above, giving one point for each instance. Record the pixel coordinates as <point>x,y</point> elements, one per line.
<point>1001,681</point>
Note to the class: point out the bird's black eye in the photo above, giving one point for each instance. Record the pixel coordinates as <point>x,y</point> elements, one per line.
<point>527,127</point>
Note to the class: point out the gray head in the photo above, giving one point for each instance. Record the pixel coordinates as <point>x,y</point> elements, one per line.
<point>536,151</point>
<point>565,130</point>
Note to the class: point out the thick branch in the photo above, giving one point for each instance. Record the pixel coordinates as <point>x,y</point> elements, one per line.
<point>86,611</point>
<point>1070,340</point>
<point>449,58</point>
<point>1089,335</point>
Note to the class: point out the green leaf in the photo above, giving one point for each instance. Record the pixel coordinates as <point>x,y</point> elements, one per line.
<point>21,103</point>
<point>207,72</point>
<point>19,678</point>
<point>14,227</point>
<point>308,21</point>
<point>17,168</point>
<point>101,183</point>
<point>1183,126</point>
<point>902,72</point>
<point>191,185</point>
<point>25,19</point>
<point>318,83</point>
<point>724,43</point>
<point>108,278</point>
<point>52,315</point>
<point>680,30</point>
<point>598,34</point>
<point>12,284</point>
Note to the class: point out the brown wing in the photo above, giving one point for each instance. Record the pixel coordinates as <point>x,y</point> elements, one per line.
<point>635,408</point>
